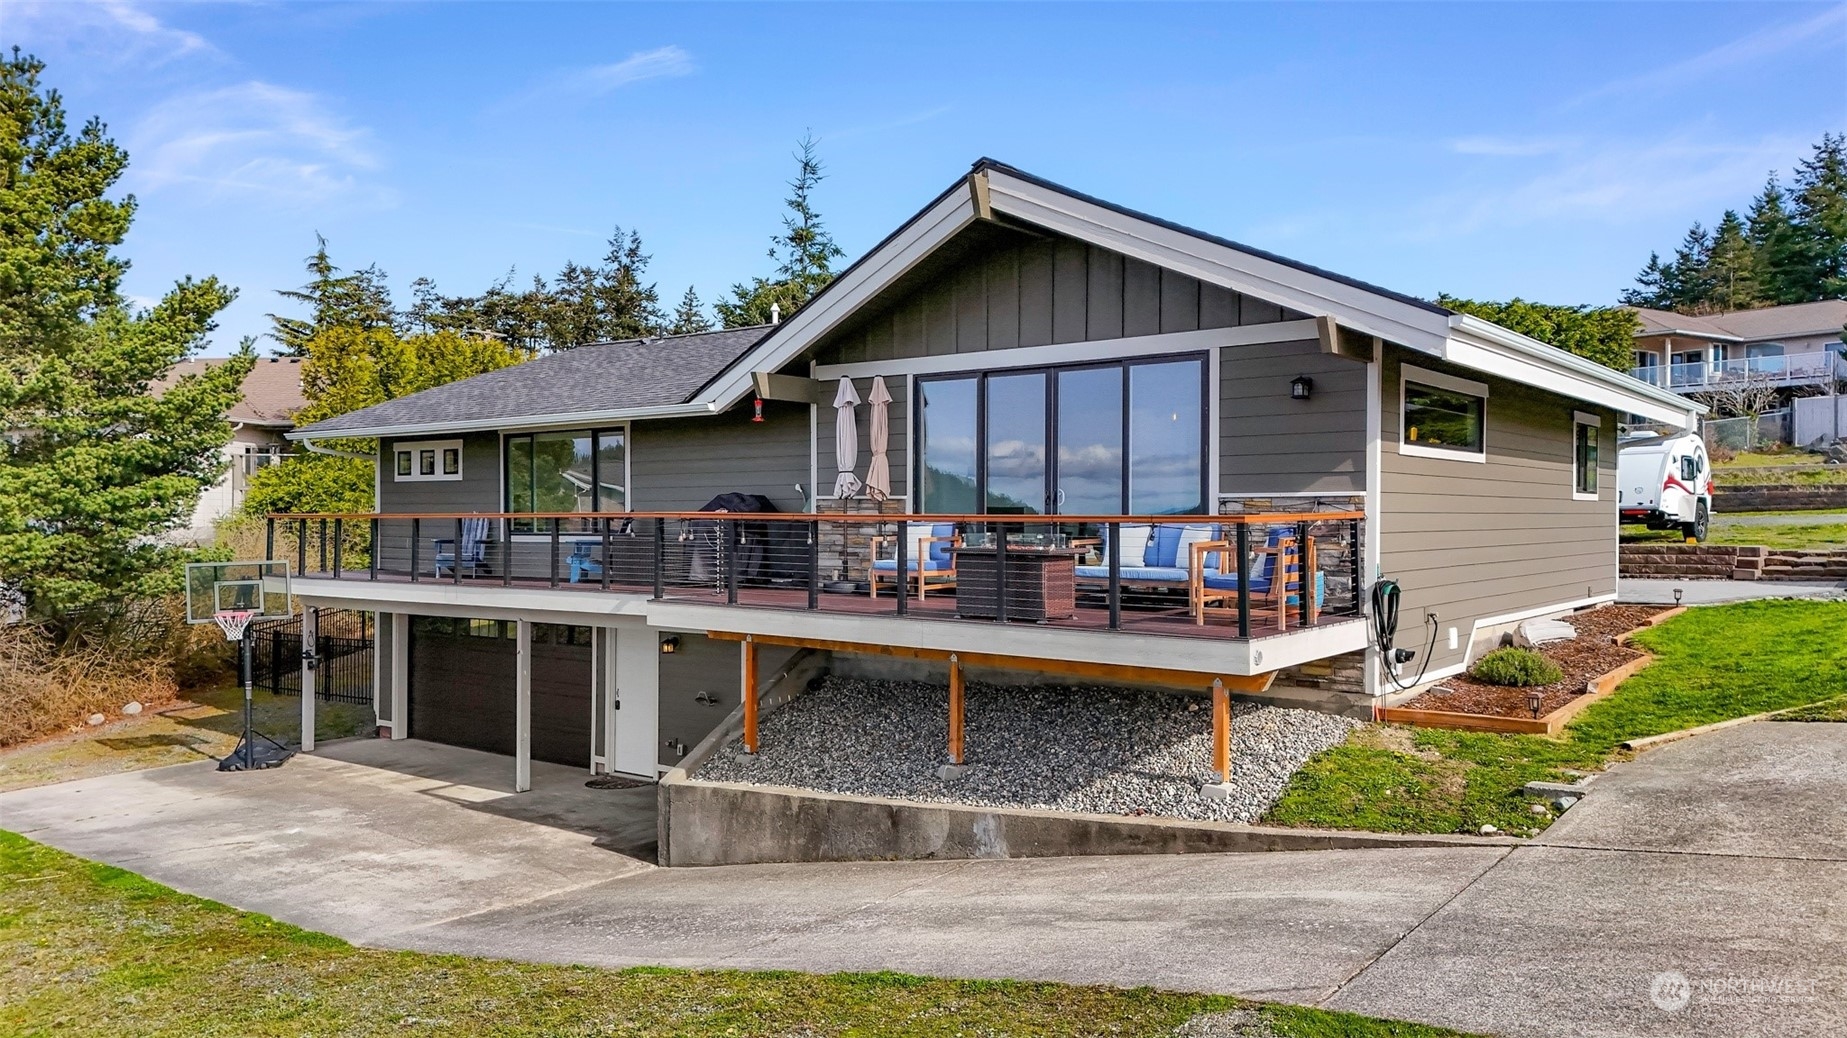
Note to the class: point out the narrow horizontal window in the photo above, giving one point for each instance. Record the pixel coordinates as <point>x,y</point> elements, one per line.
<point>427,460</point>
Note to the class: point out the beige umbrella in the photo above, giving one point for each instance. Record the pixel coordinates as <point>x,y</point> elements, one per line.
<point>878,474</point>
<point>846,440</point>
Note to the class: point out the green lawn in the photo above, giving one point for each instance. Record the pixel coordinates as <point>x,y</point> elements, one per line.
<point>1821,529</point>
<point>86,949</point>
<point>1714,663</point>
<point>1831,710</point>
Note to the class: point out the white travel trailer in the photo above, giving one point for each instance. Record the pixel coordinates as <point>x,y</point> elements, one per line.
<point>1665,482</point>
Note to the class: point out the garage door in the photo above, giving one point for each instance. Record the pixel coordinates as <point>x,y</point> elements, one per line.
<point>462,687</point>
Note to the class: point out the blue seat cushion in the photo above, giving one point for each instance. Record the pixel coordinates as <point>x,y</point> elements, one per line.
<point>1153,574</point>
<point>1163,547</point>
<point>1229,582</point>
<point>910,566</point>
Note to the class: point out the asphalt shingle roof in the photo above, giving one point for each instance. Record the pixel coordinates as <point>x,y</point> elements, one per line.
<point>272,390</point>
<point>603,376</point>
<point>1817,318</point>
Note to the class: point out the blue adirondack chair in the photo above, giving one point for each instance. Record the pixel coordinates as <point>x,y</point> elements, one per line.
<point>474,548</point>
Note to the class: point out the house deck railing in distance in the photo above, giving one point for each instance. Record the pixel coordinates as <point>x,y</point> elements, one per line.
<point>1226,576</point>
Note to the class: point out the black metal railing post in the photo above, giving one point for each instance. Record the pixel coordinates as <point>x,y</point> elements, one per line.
<point>1244,580</point>
<point>339,543</point>
<point>814,564</point>
<point>1000,574</point>
<point>269,539</point>
<point>416,534</point>
<point>554,551</point>
<point>901,558</point>
<point>1307,594</point>
<point>301,546</point>
<point>1354,564</point>
<point>455,555</point>
<point>731,561</point>
<point>506,553</point>
<point>660,559</point>
<point>606,561</point>
<point>372,549</point>
<point>1115,576</point>
<point>323,536</point>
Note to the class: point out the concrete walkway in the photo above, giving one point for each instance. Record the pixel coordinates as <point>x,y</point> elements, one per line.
<point>1717,592</point>
<point>1718,857</point>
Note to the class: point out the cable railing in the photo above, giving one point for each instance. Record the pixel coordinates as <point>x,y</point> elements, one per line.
<point>1240,575</point>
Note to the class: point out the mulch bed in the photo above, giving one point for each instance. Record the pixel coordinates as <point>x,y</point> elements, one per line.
<point>1591,654</point>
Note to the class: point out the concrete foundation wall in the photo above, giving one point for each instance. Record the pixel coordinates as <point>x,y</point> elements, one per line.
<point>721,823</point>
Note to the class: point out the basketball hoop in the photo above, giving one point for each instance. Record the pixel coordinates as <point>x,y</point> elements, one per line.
<point>233,622</point>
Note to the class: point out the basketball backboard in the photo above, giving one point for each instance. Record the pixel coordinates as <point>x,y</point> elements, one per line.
<point>259,586</point>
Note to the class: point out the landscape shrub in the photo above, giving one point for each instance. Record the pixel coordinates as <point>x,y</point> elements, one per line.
<point>1516,666</point>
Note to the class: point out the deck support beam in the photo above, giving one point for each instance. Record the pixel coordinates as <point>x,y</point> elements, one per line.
<point>522,707</point>
<point>748,649</point>
<point>955,709</point>
<point>1221,731</point>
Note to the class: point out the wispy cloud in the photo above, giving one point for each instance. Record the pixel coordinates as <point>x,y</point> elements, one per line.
<point>1508,147</point>
<point>256,139</point>
<point>1829,29</point>
<point>119,27</point>
<point>584,84</point>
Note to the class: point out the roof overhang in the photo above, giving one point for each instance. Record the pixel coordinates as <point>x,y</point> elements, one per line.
<point>1487,347</point>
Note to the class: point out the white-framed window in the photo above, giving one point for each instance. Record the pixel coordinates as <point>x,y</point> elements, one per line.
<point>1586,446</point>
<point>1442,416</point>
<point>426,460</point>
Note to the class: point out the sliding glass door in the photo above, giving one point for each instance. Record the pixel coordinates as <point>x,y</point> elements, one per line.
<point>1122,437</point>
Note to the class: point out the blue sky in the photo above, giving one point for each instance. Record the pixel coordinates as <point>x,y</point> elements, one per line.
<point>1484,150</point>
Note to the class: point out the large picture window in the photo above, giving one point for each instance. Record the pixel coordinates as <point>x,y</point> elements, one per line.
<point>1443,416</point>
<point>573,471</point>
<point>1121,438</point>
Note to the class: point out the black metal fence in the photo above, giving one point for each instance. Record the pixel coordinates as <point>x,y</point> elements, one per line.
<point>342,652</point>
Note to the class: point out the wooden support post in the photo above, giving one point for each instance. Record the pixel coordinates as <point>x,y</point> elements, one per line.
<point>955,710</point>
<point>750,695</point>
<point>1221,731</point>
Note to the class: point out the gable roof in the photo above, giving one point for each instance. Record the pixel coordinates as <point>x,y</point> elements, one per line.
<point>591,383</point>
<point>1822,317</point>
<point>271,392</point>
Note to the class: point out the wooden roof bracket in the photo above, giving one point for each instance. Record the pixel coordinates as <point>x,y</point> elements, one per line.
<point>978,193</point>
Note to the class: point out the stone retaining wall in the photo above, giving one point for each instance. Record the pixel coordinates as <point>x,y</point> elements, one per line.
<point>1765,498</point>
<point>1709,562</point>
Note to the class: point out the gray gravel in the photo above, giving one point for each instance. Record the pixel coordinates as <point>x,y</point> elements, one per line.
<point>1096,750</point>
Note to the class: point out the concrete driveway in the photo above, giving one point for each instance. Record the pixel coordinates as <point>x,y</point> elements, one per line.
<point>1719,858</point>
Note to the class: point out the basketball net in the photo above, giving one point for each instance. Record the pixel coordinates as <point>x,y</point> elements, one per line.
<point>233,622</point>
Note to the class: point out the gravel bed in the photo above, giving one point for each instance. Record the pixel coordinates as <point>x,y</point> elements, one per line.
<point>1088,749</point>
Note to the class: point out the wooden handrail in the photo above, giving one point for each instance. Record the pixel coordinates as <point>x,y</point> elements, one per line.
<point>1257,518</point>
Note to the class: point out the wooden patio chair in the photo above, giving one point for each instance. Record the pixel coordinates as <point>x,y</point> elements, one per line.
<point>930,558</point>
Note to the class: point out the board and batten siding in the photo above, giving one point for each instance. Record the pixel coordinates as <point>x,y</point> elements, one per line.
<point>1271,444</point>
<point>1476,541</point>
<point>897,454</point>
<point>679,464</point>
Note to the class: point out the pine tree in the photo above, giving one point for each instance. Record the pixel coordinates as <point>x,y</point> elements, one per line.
<point>804,253</point>
<point>1656,281</point>
<point>360,299</point>
<point>689,317</point>
<point>1820,211</point>
<point>1691,287</point>
<point>1731,267</point>
<point>93,466</point>
<point>1779,252</point>
<point>626,308</point>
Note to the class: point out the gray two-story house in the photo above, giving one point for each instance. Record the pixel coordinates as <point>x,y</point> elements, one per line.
<point>1029,431</point>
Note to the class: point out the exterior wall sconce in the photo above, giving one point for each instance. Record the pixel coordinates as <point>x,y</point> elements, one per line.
<point>1300,387</point>
<point>670,645</point>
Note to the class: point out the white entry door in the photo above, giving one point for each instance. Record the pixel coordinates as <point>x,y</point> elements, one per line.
<point>630,668</point>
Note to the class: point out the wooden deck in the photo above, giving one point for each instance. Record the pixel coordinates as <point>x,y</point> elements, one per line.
<point>1143,611</point>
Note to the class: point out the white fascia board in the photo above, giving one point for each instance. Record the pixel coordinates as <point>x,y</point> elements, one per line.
<point>1076,352</point>
<point>1488,347</point>
<point>1254,275</point>
<point>430,598</point>
<point>841,299</point>
<point>573,420</point>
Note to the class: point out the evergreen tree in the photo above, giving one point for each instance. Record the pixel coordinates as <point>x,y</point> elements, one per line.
<point>359,299</point>
<point>1820,211</point>
<point>804,253</point>
<point>1780,254</point>
<point>1731,266</point>
<point>1656,281</point>
<point>1604,334</point>
<point>625,308</point>
<point>94,467</point>
<point>689,317</point>
<point>1690,288</point>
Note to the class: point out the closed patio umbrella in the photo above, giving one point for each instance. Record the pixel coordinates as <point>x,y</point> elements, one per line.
<point>878,474</point>
<point>846,439</point>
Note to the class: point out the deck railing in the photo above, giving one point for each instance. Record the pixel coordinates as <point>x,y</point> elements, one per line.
<point>1226,575</point>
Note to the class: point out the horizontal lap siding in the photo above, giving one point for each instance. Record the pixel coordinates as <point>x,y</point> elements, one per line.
<point>678,464</point>
<point>1470,541</point>
<point>1271,444</point>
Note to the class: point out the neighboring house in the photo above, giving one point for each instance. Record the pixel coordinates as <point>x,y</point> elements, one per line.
<point>259,422</point>
<point>1069,381</point>
<point>1795,347</point>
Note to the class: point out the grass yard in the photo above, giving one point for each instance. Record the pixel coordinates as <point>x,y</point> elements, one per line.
<point>1714,663</point>
<point>1820,529</point>
<point>1831,710</point>
<point>86,949</point>
<point>203,725</point>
